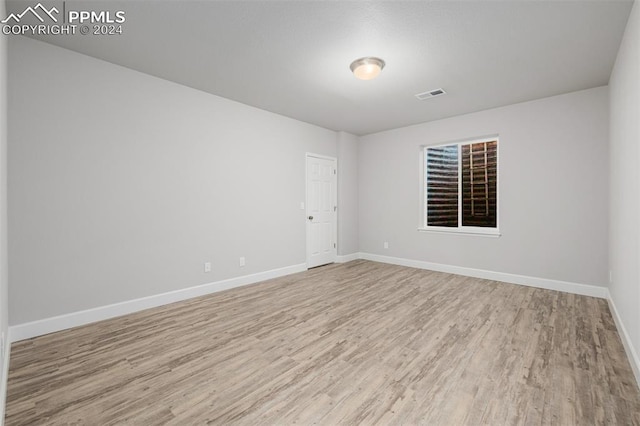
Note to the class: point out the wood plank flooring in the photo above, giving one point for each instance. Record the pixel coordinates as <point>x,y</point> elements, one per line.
<point>357,343</point>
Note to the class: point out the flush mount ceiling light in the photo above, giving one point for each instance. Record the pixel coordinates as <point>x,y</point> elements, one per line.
<point>367,68</point>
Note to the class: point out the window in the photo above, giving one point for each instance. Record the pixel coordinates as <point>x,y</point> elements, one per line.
<point>461,186</point>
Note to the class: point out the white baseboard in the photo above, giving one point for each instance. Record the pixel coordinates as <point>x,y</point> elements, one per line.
<point>62,322</point>
<point>74,319</point>
<point>348,258</point>
<point>568,287</point>
<point>4,375</point>
<point>634,359</point>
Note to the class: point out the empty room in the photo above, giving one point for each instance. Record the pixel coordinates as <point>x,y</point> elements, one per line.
<point>319,212</point>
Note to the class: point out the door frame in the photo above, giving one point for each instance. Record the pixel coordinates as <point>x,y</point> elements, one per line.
<point>306,203</point>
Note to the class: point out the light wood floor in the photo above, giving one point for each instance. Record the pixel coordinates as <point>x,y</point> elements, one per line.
<point>358,343</point>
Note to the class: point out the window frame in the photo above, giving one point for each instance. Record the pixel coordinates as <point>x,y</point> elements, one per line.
<point>460,229</point>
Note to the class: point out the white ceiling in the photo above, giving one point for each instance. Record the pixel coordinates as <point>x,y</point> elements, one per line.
<point>292,57</point>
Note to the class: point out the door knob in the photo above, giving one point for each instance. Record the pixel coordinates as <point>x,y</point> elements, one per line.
<point>310,217</point>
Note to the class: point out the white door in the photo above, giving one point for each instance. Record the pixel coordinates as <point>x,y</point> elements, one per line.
<point>322,216</point>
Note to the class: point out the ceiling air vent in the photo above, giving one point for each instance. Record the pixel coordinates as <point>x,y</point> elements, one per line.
<point>430,94</point>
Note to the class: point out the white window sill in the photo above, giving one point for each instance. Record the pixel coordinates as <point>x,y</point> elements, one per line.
<point>493,233</point>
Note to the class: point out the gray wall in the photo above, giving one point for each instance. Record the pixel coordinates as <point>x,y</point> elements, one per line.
<point>122,185</point>
<point>347,193</point>
<point>553,190</point>
<point>625,181</point>
<point>4,304</point>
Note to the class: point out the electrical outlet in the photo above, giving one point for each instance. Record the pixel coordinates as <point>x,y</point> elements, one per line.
<point>242,262</point>
<point>207,267</point>
<point>386,244</point>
